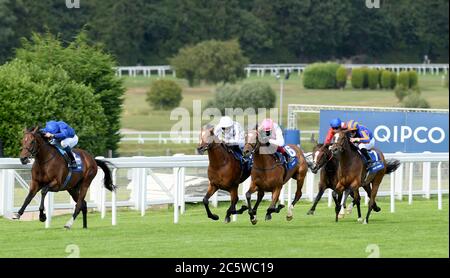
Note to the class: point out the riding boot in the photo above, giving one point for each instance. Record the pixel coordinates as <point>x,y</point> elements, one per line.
<point>73,163</point>
<point>365,152</point>
<point>285,154</point>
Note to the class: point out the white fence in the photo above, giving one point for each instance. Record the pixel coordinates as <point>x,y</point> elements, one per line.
<point>142,171</point>
<point>180,137</point>
<point>262,69</point>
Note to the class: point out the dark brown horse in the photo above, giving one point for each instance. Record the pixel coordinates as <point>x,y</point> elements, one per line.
<point>269,175</point>
<point>224,172</point>
<point>327,163</point>
<point>352,171</point>
<point>50,170</point>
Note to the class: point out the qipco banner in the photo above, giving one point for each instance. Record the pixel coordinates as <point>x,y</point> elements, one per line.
<point>408,132</point>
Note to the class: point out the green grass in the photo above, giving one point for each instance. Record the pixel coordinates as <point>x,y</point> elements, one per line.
<point>419,230</point>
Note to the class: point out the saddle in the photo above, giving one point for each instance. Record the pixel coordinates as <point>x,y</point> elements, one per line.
<point>377,164</point>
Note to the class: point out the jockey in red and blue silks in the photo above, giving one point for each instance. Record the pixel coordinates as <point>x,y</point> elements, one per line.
<point>63,133</point>
<point>363,137</point>
<point>336,125</point>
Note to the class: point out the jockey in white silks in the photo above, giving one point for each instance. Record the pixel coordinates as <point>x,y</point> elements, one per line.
<point>231,133</point>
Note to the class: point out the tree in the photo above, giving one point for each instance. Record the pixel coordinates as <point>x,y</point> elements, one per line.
<point>164,94</point>
<point>30,94</point>
<point>86,64</point>
<point>211,61</point>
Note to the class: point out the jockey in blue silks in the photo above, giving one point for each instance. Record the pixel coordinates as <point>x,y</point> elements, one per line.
<point>64,134</point>
<point>363,137</point>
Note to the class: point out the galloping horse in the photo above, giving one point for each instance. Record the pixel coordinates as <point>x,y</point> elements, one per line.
<point>50,170</point>
<point>352,172</point>
<point>224,172</point>
<point>327,163</point>
<point>269,175</point>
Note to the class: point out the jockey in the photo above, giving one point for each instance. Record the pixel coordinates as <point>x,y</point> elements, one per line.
<point>231,133</point>
<point>363,137</point>
<point>335,126</point>
<point>63,133</point>
<point>275,135</point>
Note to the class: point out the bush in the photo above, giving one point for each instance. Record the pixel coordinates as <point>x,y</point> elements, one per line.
<point>373,78</point>
<point>164,94</point>
<point>211,61</point>
<point>413,79</point>
<point>358,78</point>
<point>341,77</point>
<point>85,64</point>
<point>30,95</point>
<point>386,79</point>
<point>320,76</point>
<point>401,92</point>
<point>366,77</point>
<point>403,79</point>
<point>393,80</point>
<point>414,100</point>
<point>255,94</point>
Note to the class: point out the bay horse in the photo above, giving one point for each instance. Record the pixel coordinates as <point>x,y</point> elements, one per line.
<point>327,163</point>
<point>352,171</point>
<point>269,175</point>
<point>224,172</point>
<point>49,172</point>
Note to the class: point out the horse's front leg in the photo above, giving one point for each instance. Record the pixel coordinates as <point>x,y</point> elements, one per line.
<point>233,201</point>
<point>211,190</point>
<point>42,216</point>
<point>339,189</point>
<point>271,209</point>
<point>343,202</point>
<point>34,188</point>
<point>248,196</point>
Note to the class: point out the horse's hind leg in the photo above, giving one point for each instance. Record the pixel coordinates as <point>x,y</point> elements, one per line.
<point>34,188</point>
<point>211,190</point>
<point>375,184</point>
<point>80,202</point>
<point>357,202</point>
<point>42,216</point>
<point>316,201</point>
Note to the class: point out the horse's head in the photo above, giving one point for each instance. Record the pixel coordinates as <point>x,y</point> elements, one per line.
<point>30,145</point>
<point>321,155</point>
<point>207,138</point>
<point>251,142</point>
<point>341,142</point>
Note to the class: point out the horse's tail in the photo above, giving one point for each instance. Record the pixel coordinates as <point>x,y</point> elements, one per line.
<point>108,177</point>
<point>392,165</point>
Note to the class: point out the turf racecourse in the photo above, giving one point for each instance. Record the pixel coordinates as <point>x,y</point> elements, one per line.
<point>419,230</point>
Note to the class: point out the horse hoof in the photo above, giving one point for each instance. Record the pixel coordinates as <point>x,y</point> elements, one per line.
<point>244,208</point>
<point>310,212</point>
<point>289,217</point>
<point>340,216</point>
<point>227,220</point>
<point>67,227</point>
<point>254,221</point>
<point>280,206</point>
<point>376,209</point>
<point>360,220</point>
<point>268,217</point>
<point>365,222</point>
<point>15,216</point>
<point>214,217</point>
<point>42,218</point>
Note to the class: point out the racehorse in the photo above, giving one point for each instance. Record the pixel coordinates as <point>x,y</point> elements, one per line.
<point>50,170</point>
<point>327,163</point>
<point>269,175</point>
<point>224,172</point>
<point>352,173</point>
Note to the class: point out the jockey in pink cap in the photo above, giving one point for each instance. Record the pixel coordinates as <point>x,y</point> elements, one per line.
<point>273,131</point>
